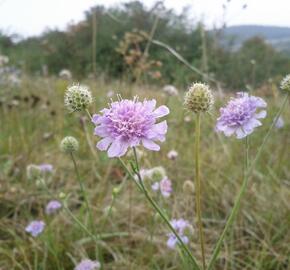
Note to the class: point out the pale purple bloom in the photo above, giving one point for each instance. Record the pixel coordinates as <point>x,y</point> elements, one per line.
<point>46,168</point>
<point>155,186</point>
<point>172,154</point>
<point>179,225</point>
<point>240,116</point>
<point>164,186</point>
<point>279,122</point>
<point>128,123</point>
<point>52,207</point>
<point>88,264</point>
<point>35,227</point>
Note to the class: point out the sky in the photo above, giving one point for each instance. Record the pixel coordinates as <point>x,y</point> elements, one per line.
<point>31,17</point>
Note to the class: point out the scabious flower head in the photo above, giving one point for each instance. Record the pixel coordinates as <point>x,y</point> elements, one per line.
<point>69,145</point>
<point>285,83</point>
<point>172,154</point>
<point>88,265</point>
<point>170,90</point>
<point>52,207</point>
<point>128,123</point>
<point>179,225</point>
<point>35,227</point>
<point>165,187</point>
<point>198,98</point>
<point>77,98</point>
<point>46,168</point>
<point>240,116</point>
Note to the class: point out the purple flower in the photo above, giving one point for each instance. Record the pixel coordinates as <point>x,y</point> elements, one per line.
<point>164,186</point>
<point>128,123</point>
<point>179,225</point>
<point>279,122</point>
<point>240,116</point>
<point>52,207</point>
<point>88,265</point>
<point>35,227</point>
<point>46,168</point>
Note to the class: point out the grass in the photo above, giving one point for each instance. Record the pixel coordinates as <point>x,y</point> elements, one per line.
<point>134,237</point>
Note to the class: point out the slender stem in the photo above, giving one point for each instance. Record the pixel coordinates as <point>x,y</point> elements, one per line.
<point>89,114</point>
<point>142,188</point>
<point>198,188</point>
<point>84,194</point>
<point>243,188</point>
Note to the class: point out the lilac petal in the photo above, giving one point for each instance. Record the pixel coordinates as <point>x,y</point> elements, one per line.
<point>171,242</point>
<point>184,239</point>
<point>228,131</point>
<point>155,186</point>
<point>260,102</point>
<point>117,148</point>
<point>253,123</point>
<point>261,114</point>
<point>104,143</point>
<point>161,111</point>
<point>149,144</point>
<point>150,104</point>
<point>101,131</point>
<point>96,119</point>
<point>240,133</point>
<point>160,128</point>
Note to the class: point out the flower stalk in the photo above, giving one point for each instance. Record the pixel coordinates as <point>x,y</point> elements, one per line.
<point>152,202</point>
<point>198,189</point>
<point>247,175</point>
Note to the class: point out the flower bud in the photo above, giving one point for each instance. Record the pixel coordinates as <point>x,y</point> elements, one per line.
<point>198,98</point>
<point>33,172</point>
<point>285,83</point>
<point>77,98</point>
<point>188,187</point>
<point>69,145</point>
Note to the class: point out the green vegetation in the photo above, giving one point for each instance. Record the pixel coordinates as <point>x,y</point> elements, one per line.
<point>211,53</point>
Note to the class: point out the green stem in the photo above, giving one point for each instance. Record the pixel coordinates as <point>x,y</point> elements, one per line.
<point>243,188</point>
<point>198,189</point>
<point>142,188</point>
<point>84,194</point>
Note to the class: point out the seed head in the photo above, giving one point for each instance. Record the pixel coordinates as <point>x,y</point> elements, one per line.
<point>69,145</point>
<point>285,83</point>
<point>77,98</point>
<point>188,187</point>
<point>198,98</point>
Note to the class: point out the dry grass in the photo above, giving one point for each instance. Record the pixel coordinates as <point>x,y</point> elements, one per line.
<point>31,134</point>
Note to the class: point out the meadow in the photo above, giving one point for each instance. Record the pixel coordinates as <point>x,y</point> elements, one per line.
<point>130,234</point>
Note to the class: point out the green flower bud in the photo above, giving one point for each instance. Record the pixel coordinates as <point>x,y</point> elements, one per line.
<point>69,145</point>
<point>198,98</point>
<point>285,83</point>
<point>77,98</point>
<point>33,172</point>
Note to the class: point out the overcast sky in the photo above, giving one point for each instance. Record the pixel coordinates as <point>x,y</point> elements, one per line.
<point>31,17</point>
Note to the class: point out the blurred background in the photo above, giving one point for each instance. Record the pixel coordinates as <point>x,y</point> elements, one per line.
<point>238,43</point>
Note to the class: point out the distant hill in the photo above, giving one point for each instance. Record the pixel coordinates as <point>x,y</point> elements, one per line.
<point>279,37</point>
